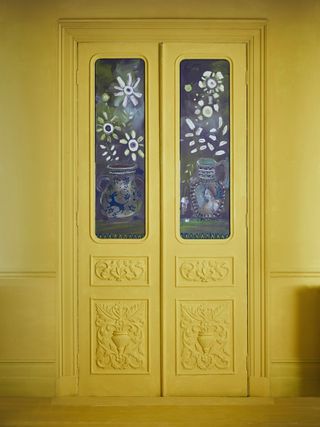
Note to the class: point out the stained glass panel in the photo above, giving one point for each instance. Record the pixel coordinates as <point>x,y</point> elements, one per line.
<point>204,149</point>
<point>120,148</point>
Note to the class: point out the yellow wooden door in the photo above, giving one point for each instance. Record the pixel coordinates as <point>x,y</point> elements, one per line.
<point>204,300</point>
<point>160,314</point>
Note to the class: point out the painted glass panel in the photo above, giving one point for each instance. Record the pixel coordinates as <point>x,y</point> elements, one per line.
<point>204,149</point>
<point>120,148</point>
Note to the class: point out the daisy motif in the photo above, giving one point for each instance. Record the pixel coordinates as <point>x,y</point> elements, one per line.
<point>216,134</point>
<point>128,90</point>
<point>133,144</point>
<point>205,108</point>
<point>107,127</point>
<point>211,83</point>
<point>195,138</point>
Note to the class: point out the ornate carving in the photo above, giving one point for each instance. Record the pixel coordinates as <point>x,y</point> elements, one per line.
<point>206,270</point>
<point>121,336</point>
<point>120,269</point>
<point>205,336</point>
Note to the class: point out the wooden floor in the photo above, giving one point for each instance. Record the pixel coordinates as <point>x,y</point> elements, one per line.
<point>156,412</point>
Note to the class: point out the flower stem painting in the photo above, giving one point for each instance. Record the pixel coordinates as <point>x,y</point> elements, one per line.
<point>204,149</point>
<point>120,148</point>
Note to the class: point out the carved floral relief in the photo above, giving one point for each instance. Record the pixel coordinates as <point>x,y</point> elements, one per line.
<point>120,269</point>
<point>205,270</point>
<point>206,337</point>
<point>120,336</point>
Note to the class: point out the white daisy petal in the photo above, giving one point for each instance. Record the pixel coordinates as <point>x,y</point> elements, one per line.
<point>214,138</point>
<point>193,151</point>
<point>213,130</point>
<point>138,94</point>
<point>191,143</point>
<point>125,102</point>
<point>134,156</point>
<point>123,141</point>
<point>203,147</point>
<point>220,122</point>
<point>207,74</point>
<point>202,84</point>
<point>134,100</point>
<point>225,129</point>
<point>136,83</point>
<point>129,79</point>
<point>190,124</point>
<point>103,146</point>
<point>119,94</point>
<point>219,75</point>
<point>198,131</point>
<point>222,143</point>
<point>140,139</point>
<point>189,135</point>
<point>121,82</point>
<point>211,147</point>
<point>141,153</point>
<point>126,152</point>
<point>216,107</point>
<point>220,152</point>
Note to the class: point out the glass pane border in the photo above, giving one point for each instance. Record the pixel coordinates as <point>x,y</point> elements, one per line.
<point>177,80</point>
<point>92,121</point>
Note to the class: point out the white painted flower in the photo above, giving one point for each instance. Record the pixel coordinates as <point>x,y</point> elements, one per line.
<point>128,90</point>
<point>134,145</point>
<point>107,127</point>
<point>205,108</point>
<point>211,83</point>
<point>195,138</point>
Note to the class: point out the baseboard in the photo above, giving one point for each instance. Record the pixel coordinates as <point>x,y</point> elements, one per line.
<point>259,387</point>
<point>27,379</point>
<point>67,386</point>
<point>292,378</point>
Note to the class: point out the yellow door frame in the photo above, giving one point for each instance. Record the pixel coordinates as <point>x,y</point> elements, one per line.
<point>251,33</point>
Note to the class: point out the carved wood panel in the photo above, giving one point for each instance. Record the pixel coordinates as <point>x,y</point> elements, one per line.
<point>205,337</point>
<point>119,336</point>
<point>204,271</point>
<point>119,271</point>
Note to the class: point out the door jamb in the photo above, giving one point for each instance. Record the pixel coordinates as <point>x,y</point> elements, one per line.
<point>252,33</point>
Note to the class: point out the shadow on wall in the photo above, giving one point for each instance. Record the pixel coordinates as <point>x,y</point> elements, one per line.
<point>308,340</point>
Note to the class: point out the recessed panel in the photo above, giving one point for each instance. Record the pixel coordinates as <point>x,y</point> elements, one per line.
<point>119,336</point>
<point>205,337</point>
<point>119,271</point>
<point>204,271</point>
<point>120,148</point>
<point>204,149</point>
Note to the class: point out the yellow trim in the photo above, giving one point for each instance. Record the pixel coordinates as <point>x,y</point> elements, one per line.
<point>74,32</point>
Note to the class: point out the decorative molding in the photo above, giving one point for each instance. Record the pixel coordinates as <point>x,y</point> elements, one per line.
<point>295,360</point>
<point>28,275</point>
<point>204,271</point>
<point>72,32</point>
<point>294,274</point>
<point>119,336</point>
<point>119,271</point>
<point>205,334</point>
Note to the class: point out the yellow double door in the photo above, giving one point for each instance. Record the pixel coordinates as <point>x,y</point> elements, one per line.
<point>162,315</point>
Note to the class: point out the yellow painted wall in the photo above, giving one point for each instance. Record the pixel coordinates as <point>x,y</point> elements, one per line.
<point>29,180</point>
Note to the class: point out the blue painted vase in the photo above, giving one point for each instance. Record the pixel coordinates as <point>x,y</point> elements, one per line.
<point>121,192</point>
<point>207,193</point>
